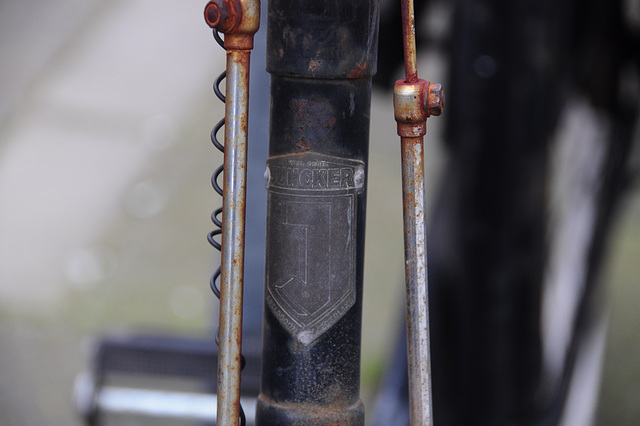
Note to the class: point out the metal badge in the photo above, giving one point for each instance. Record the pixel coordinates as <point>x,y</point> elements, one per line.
<point>311,247</point>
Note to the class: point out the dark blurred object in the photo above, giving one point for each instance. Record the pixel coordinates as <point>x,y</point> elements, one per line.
<point>514,67</point>
<point>117,361</point>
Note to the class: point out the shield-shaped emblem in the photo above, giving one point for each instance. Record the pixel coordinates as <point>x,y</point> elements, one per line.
<point>311,248</point>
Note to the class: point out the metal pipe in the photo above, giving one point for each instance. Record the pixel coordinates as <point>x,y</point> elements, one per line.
<point>233,224</point>
<point>239,20</point>
<point>414,101</point>
<point>409,41</point>
<point>417,302</point>
<point>321,56</point>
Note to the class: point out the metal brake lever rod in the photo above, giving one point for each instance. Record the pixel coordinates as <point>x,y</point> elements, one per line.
<point>414,101</point>
<point>238,20</point>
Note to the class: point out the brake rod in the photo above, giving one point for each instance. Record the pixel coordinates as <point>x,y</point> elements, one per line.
<point>238,20</point>
<point>414,101</point>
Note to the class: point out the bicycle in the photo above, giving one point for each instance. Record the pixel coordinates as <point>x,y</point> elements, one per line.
<point>495,169</point>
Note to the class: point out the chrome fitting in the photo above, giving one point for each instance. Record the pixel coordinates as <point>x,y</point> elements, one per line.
<point>413,103</point>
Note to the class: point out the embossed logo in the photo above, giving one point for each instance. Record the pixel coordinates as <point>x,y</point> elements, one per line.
<point>312,214</point>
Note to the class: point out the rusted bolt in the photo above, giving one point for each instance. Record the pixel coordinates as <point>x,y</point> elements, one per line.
<point>212,14</point>
<point>434,99</point>
<point>223,15</point>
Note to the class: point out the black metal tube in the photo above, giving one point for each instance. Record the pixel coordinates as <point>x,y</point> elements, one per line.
<point>321,56</point>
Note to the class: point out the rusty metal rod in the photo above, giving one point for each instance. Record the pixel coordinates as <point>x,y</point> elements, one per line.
<point>233,227</point>
<point>417,301</point>
<point>412,104</point>
<point>409,41</point>
<point>238,20</point>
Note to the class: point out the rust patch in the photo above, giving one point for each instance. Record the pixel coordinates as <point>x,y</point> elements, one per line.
<point>298,106</point>
<point>358,70</point>
<point>297,414</point>
<point>409,41</point>
<point>303,144</point>
<point>329,122</point>
<point>314,64</point>
<point>223,15</point>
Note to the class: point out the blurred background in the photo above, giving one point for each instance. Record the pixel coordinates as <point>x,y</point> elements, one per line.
<point>105,200</point>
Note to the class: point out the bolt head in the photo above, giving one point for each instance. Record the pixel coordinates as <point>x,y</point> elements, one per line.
<point>223,15</point>
<point>435,99</point>
<point>212,14</point>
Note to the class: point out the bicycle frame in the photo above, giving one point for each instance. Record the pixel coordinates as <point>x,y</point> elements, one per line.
<point>316,185</point>
<point>488,275</point>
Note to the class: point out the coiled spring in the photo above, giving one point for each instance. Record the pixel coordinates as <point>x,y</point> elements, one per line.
<point>216,215</point>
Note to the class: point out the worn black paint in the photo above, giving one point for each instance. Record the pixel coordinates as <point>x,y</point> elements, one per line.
<point>321,56</point>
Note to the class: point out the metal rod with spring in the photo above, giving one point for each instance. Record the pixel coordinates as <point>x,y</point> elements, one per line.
<point>414,101</point>
<point>239,21</point>
<point>233,224</point>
